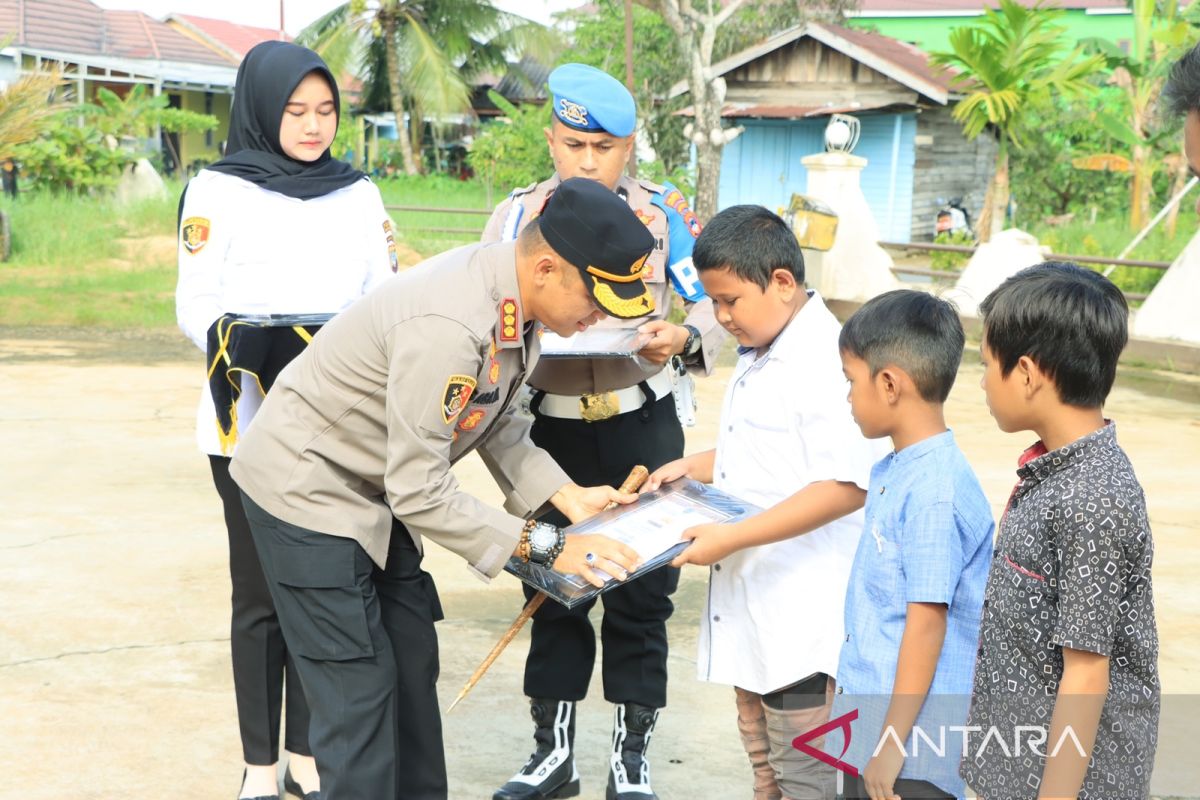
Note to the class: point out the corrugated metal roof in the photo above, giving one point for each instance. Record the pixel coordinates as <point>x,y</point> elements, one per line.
<point>904,63</point>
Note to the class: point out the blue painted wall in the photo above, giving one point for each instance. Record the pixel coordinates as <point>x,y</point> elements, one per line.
<point>763,165</point>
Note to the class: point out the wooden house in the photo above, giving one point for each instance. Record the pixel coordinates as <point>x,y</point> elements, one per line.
<point>782,92</point>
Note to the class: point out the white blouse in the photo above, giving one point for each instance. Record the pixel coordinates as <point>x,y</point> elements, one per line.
<point>253,251</point>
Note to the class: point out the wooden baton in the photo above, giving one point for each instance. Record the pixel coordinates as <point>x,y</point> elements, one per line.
<point>637,476</point>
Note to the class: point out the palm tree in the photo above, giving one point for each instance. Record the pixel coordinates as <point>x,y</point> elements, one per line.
<point>25,108</point>
<point>427,50</point>
<point>1007,63</point>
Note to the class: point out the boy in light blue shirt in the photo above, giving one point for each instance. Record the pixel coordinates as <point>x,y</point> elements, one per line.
<point>916,587</point>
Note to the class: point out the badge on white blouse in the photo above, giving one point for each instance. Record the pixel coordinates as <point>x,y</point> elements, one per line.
<point>194,234</point>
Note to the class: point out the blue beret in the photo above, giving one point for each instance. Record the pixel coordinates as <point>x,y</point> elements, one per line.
<point>588,99</point>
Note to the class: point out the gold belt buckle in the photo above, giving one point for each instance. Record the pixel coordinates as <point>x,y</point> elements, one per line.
<point>599,406</point>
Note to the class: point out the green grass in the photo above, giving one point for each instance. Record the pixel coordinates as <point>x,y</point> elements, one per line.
<point>87,262</point>
<point>1108,237</point>
<point>436,191</point>
<point>80,261</point>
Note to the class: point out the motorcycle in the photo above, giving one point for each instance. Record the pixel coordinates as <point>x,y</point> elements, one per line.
<point>953,219</point>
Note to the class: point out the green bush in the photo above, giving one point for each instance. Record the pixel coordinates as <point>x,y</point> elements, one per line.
<point>948,260</point>
<point>511,151</point>
<point>70,157</point>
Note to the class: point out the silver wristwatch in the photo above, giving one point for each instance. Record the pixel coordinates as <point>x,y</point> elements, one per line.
<point>545,543</point>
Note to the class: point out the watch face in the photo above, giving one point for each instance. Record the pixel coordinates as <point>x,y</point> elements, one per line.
<point>543,537</point>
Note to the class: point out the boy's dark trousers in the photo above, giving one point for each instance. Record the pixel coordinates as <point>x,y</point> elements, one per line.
<point>907,789</point>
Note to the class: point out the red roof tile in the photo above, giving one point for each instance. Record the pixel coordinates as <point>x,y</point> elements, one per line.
<point>132,34</point>
<point>79,27</point>
<point>238,38</point>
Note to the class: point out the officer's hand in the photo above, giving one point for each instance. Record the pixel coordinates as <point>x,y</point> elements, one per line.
<point>667,340</point>
<point>584,554</point>
<point>671,471</point>
<point>578,503</point>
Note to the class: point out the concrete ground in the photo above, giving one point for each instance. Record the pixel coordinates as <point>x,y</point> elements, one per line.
<point>114,644</point>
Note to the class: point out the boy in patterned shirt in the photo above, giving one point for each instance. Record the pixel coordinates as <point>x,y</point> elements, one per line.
<point>1066,696</point>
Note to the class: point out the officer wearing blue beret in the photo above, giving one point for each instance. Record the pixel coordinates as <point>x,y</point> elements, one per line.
<point>598,418</point>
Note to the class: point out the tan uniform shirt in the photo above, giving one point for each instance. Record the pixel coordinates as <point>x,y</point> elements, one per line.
<point>582,376</point>
<point>365,424</point>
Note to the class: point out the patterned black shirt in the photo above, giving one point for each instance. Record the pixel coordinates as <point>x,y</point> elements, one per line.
<point>1071,568</point>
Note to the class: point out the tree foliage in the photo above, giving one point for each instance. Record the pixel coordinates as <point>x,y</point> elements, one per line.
<point>420,55</point>
<point>1013,59</point>
<point>1045,182</point>
<point>73,158</point>
<point>1161,35</point>
<point>512,151</point>
<point>26,110</point>
<point>139,114</point>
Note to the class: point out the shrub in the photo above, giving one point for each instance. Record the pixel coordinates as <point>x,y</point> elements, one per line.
<point>512,151</point>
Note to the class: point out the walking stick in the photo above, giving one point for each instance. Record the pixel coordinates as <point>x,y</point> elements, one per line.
<point>637,476</point>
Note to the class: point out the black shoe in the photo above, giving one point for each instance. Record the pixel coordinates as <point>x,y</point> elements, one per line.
<point>550,772</point>
<point>292,787</point>
<point>262,797</point>
<point>628,769</point>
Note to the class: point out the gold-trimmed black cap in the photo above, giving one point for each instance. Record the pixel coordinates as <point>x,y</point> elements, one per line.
<point>593,228</point>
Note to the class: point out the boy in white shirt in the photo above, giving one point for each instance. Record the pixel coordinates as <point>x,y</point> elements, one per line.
<point>773,626</point>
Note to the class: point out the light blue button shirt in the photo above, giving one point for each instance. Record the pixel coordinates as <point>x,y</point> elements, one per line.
<point>927,538</point>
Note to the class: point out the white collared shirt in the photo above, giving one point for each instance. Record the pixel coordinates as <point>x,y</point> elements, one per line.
<point>774,612</point>
<point>267,253</point>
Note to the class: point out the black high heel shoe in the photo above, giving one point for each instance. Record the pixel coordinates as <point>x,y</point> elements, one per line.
<point>261,797</point>
<point>291,787</point>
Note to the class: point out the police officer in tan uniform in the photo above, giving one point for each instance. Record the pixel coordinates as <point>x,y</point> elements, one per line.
<point>599,418</point>
<point>347,468</point>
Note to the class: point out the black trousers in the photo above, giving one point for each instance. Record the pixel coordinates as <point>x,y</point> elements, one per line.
<point>364,644</point>
<point>905,787</point>
<point>562,651</point>
<point>260,657</point>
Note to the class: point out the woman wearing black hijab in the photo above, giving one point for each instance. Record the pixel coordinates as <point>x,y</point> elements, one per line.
<point>277,228</point>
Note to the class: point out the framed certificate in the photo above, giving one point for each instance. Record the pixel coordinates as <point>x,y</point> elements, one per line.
<point>595,343</point>
<point>653,526</point>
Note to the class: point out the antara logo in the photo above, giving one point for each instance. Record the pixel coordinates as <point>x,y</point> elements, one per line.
<point>843,722</point>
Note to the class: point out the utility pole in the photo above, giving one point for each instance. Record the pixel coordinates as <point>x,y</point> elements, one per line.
<point>628,77</point>
<point>282,30</point>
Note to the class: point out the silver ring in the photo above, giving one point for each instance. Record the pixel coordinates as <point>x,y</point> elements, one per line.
<point>590,558</point>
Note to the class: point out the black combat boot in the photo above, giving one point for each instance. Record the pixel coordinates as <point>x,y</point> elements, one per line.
<point>628,769</point>
<point>550,771</point>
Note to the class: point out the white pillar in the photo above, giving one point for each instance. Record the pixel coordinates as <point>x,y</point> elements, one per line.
<point>856,267</point>
<point>1009,252</point>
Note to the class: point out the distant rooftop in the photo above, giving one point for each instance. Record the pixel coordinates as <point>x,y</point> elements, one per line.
<point>231,37</point>
<point>81,28</point>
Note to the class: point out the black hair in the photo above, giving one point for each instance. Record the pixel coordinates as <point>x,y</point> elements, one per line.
<point>1072,322</point>
<point>1181,93</point>
<point>530,237</point>
<point>915,331</point>
<point>750,242</point>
